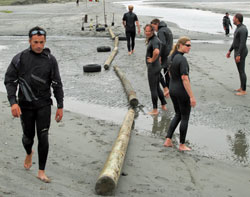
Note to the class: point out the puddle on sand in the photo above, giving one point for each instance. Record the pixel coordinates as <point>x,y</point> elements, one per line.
<point>211,142</point>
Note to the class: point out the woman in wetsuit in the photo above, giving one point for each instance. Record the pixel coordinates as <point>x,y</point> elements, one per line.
<point>154,68</point>
<point>180,92</point>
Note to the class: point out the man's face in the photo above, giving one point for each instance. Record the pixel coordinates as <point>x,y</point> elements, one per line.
<point>155,26</point>
<point>37,43</point>
<point>148,32</point>
<point>235,21</point>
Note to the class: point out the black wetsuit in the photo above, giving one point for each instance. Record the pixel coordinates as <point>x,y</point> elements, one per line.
<point>130,19</point>
<point>240,49</point>
<point>154,70</point>
<point>166,37</point>
<point>34,74</point>
<point>226,23</point>
<point>179,96</point>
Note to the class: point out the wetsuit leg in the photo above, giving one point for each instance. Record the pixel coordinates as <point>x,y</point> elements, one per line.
<point>185,109</point>
<point>28,119</point>
<point>128,36</point>
<point>160,93</point>
<point>227,31</point>
<point>242,73</point>
<point>153,79</point>
<point>43,124</point>
<point>177,118</point>
<point>182,112</point>
<point>133,39</point>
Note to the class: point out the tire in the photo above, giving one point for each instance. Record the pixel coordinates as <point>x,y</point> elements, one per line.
<point>122,38</point>
<point>92,68</point>
<point>103,49</point>
<point>100,29</point>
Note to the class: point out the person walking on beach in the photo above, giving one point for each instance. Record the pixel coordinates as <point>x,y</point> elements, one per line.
<point>154,68</point>
<point>226,23</point>
<point>180,92</point>
<point>34,71</point>
<point>166,37</point>
<point>129,19</point>
<point>240,51</point>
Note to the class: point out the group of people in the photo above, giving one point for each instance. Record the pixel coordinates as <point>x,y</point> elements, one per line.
<point>162,55</point>
<point>34,71</point>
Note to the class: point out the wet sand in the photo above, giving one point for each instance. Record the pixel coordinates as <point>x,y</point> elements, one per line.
<point>219,133</point>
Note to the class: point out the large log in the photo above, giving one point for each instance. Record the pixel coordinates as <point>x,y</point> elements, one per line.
<point>108,179</point>
<point>133,101</point>
<point>112,55</point>
<point>111,33</point>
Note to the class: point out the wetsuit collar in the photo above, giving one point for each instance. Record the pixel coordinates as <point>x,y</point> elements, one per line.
<point>151,37</point>
<point>239,25</point>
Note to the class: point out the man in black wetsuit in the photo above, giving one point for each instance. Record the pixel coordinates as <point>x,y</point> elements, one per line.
<point>34,71</point>
<point>129,19</point>
<point>240,51</point>
<point>226,23</point>
<point>166,37</point>
<point>154,68</point>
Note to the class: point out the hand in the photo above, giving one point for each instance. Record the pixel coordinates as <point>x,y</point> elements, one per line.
<point>192,102</point>
<point>139,31</point>
<point>15,110</point>
<point>228,54</point>
<point>149,60</point>
<point>237,59</point>
<point>59,115</point>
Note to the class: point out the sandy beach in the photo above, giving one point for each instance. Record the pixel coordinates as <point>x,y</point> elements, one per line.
<point>96,104</point>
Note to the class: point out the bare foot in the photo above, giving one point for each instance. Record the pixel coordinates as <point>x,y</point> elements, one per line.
<point>153,112</point>
<point>129,53</point>
<point>28,161</point>
<point>183,147</point>
<point>238,90</point>
<point>168,143</point>
<point>41,175</point>
<point>163,107</point>
<point>133,51</point>
<point>241,93</point>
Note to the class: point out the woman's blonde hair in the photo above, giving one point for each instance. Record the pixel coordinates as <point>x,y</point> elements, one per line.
<point>182,40</point>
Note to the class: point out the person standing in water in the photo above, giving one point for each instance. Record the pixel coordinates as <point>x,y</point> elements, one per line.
<point>226,23</point>
<point>154,68</point>
<point>129,19</point>
<point>166,37</point>
<point>180,92</point>
<point>240,51</point>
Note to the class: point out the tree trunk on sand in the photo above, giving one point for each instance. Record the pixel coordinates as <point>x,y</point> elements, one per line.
<point>111,33</point>
<point>108,179</point>
<point>133,101</point>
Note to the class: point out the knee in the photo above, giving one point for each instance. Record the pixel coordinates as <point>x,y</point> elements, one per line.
<point>27,140</point>
<point>43,134</point>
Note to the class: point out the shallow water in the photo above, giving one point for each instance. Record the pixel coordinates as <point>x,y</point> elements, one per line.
<point>189,19</point>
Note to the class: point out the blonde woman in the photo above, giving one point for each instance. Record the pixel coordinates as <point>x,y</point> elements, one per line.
<point>180,92</point>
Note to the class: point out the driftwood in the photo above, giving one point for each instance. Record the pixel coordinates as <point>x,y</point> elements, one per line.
<point>108,179</point>
<point>112,55</point>
<point>111,33</point>
<point>133,101</point>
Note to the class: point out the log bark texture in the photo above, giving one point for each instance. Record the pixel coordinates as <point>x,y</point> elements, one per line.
<point>133,101</point>
<point>109,176</point>
<point>111,33</point>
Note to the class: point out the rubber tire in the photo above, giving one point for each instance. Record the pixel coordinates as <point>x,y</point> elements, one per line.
<point>100,29</point>
<point>122,38</point>
<point>92,68</point>
<point>103,49</point>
